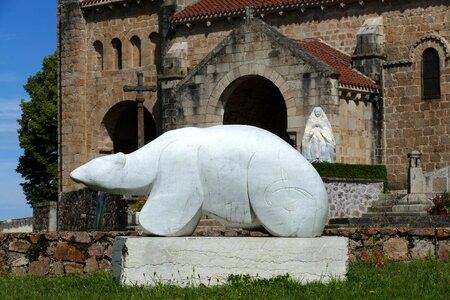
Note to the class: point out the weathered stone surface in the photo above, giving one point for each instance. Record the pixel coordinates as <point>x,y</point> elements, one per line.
<point>305,259</point>
<point>370,231</point>
<point>402,230</point>
<point>422,232</point>
<point>422,249</point>
<point>395,249</point>
<point>78,237</point>
<point>388,231</point>
<point>91,265</point>
<point>96,249</point>
<point>442,232</point>
<point>3,237</point>
<point>20,262</point>
<point>97,235</point>
<point>57,268</point>
<point>40,267</point>
<point>66,252</point>
<point>443,252</point>
<point>346,231</point>
<point>109,251</point>
<point>21,246</point>
<point>51,235</point>
<point>18,270</point>
<point>105,265</point>
<point>35,237</point>
<point>73,268</point>
<point>230,233</point>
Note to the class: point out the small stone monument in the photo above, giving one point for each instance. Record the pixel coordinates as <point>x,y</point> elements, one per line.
<point>415,202</point>
<point>318,142</point>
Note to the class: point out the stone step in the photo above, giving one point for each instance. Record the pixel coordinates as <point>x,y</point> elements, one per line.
<point>405,214</point>
<point>392,220</point>
<point>410,208</point>
<point>380,208</point>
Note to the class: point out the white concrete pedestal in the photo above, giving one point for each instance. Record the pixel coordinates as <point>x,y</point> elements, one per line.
<point>186,261</point>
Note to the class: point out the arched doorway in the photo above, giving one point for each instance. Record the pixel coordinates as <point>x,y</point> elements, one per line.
<point>121,123</point>
<point>255,100</point>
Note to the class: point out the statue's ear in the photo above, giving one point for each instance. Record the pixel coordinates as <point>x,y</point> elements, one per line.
<point>120,159</point>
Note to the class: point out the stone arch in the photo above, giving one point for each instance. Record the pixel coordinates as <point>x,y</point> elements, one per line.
<point>255,100</point>
<point>430,40</point>
<point>120,124</point>
<point>215,101</point>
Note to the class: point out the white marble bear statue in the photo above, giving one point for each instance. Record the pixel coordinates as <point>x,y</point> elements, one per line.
<point>241,175</point>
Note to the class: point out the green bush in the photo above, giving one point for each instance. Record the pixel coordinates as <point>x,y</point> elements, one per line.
<point>338,170</point>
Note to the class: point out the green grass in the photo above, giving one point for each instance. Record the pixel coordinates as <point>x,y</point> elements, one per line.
<point>427,279</point>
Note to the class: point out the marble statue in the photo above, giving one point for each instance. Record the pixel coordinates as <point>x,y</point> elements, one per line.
<point>318,142</point>
<point>241,175</point>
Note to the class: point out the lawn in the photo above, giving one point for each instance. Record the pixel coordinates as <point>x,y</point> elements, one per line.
<point>426,279</point>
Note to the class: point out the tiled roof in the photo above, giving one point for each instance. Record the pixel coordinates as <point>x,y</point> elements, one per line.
<point>350,78</point>
<point>210,9</point>
<point>88,3</point>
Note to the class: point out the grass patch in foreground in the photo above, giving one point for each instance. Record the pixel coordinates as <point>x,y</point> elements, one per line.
<point>427,279</point>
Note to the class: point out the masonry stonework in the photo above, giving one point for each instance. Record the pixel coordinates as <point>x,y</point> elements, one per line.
<point>205,64</point>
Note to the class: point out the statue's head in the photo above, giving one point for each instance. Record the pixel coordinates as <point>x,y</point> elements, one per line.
<point>317,111</point>
<point>102,173</point>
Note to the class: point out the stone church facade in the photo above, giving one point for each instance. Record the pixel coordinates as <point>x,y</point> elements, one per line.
<point>379,69</point>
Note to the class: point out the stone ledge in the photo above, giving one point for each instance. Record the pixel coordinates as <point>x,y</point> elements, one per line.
<point>187,261</point>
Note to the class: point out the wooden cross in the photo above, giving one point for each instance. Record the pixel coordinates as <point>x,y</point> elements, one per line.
<point>140,89</point>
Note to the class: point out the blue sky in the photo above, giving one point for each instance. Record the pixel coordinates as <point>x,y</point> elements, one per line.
<point>27,35</point>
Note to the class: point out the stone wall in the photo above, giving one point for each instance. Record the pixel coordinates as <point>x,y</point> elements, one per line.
<point>397,244</point>
<point>409,28</point>
<point>411,122</point>
<point>350,198</point>
<point>56,253</point>
<point>91,84</point>
<point>76,211</point>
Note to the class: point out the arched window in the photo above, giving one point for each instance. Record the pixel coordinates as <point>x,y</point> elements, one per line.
<point>136,51</point>
<point>98,47</point>
<point>117,46</point>
<point>431,83</point>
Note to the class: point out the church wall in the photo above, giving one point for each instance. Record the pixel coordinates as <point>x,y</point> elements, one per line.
<point>411,122</point>
<point>72,92</point>
<point>354,124</point>
<point>249,52</point>
<point>85,102</point>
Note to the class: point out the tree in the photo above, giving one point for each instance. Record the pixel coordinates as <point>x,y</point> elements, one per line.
<point>38,135</point>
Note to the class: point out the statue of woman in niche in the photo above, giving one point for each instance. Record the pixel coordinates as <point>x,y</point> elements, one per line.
<point>318,142</point>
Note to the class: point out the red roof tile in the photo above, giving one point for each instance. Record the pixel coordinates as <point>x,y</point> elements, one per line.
<point>205,9</point>
<point>340,61</point>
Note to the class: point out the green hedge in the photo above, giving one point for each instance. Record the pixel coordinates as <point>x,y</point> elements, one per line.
<point>339,170</point>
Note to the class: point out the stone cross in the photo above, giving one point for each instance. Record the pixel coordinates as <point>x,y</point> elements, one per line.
<point>140,89</point>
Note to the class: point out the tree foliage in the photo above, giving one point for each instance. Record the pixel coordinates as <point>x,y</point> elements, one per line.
<point>38,135</point>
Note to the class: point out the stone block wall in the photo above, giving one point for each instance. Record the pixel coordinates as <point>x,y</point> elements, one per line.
<point>350,198</point>
<point>397,244</point>
<point>91,84</point>
<point>76,211</point>
<point>57,253</point>
<point>411,122</point>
